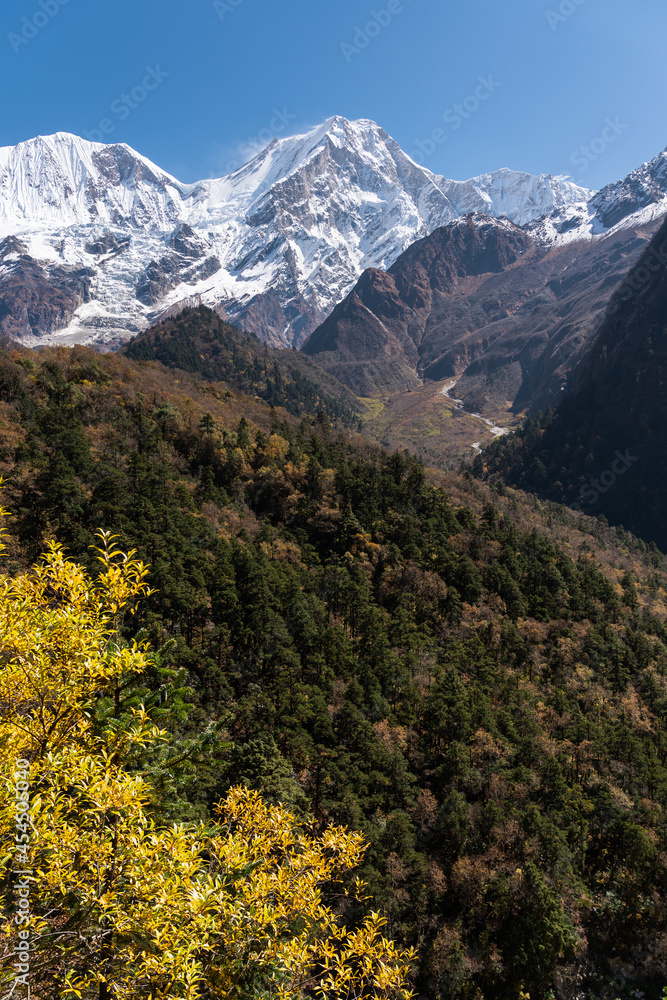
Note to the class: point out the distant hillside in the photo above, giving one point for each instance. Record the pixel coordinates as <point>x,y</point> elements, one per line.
<point>604,449</point>
<point>481,300</point>
<point>199,341</point>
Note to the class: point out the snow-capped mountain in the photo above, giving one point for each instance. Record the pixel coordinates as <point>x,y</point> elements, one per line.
<point>274,245</point>
<point>638,199</point>
<point>62,181</point>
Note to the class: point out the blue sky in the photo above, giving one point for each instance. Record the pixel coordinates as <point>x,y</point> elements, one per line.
<point>571,86</point>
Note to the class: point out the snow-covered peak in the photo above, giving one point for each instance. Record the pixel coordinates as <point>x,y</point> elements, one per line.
<point>638,199</point>
<point>519,196</point>
<point>361,147</point>
<point>63,180</point>
<point>643,188</point>
<point>360,153</point>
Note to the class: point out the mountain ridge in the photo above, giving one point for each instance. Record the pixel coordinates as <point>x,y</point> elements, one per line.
<point>483,302</point>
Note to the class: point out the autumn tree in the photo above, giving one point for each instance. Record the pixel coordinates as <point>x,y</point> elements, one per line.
<point>120,905</point>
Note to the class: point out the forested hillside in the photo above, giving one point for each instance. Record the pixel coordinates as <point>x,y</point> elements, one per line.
<point>198,341</point>
<point>476,681</point>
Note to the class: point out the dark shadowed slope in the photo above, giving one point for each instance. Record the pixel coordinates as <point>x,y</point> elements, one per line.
<point>605,448</point>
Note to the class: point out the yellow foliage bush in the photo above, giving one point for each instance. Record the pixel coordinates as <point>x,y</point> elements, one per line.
<point>118,905</point>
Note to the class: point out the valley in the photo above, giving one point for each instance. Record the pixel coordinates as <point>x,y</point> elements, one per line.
<point>496,431</point>
<point>429,424</point>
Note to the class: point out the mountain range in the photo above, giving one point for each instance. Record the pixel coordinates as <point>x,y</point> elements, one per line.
<point>507,310</point>
<point>106,242</point>
<point>484,302</point>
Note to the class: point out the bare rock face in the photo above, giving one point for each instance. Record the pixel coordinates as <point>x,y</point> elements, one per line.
<point>34,298</point>
<point>380,338</point>
<point>369,342</point>
<point>107,244</point>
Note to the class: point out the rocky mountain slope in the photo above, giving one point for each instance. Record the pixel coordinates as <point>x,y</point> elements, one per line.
<point>507,311</point>
<point>274,246</point>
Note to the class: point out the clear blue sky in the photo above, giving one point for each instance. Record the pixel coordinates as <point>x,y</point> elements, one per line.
<point>555,81</point>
